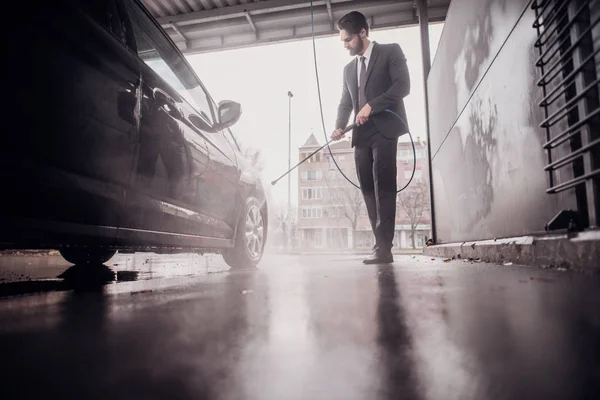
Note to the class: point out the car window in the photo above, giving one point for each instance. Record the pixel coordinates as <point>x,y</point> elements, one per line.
<point>158,53</point>
<point>105,13</point>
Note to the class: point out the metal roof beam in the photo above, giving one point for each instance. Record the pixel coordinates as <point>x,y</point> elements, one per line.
<point>178,32</point>
<point>239,11</point>
<point>273,21</point>
<point>227,42</point>
<point>330,13</point>
<point>249,18</point>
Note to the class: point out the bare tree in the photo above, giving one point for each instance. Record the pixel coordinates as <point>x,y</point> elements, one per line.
<point>345,202</point>
<point>415,203</point>
<point>283,220</point>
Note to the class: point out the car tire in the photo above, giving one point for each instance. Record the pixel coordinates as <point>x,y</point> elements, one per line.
<point>251,234</point>
<point>84,255</point>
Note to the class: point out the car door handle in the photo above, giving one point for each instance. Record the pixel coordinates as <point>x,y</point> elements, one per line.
<point>167,103</point>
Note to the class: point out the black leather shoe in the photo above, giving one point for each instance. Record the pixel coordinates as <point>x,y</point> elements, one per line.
<point>380,257</point>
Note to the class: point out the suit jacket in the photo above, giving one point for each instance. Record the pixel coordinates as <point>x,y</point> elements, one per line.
<point>387,83</point>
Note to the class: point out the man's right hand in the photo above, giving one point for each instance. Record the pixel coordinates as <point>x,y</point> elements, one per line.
<point>337,134</point>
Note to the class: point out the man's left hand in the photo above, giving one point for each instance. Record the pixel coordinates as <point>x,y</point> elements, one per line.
<point>363,116</point>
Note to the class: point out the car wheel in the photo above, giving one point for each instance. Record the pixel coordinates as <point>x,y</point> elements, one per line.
<point>250,237</point>
<point>86,255</point>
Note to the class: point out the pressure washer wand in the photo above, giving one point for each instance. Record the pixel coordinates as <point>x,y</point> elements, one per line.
<point>348,128</point>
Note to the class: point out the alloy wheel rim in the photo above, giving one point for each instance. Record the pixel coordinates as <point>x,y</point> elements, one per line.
<point>254,231</point>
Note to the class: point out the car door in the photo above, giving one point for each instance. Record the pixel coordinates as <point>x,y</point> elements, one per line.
<point>176,154</point>
<point>103,86</point>
<point>80,144</point>
<point>224,173</point>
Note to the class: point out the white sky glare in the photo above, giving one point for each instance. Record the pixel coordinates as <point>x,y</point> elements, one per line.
<point>260,77</point>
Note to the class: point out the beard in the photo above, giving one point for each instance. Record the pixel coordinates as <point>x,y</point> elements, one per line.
<point>358,49</point>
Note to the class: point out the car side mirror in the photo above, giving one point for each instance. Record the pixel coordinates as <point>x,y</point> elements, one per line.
<point>229,113</point>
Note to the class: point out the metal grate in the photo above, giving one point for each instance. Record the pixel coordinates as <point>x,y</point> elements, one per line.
<point>568,39</point>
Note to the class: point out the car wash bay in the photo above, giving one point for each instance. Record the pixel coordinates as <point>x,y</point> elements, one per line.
<point>326,326</point>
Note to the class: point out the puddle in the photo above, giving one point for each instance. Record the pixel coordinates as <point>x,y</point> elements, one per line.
<point>87,278</point>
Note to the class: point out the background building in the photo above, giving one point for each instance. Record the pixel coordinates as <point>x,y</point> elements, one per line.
<point>332,213</point>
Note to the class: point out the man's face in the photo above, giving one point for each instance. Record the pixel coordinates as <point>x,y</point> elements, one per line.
<point>352,42</point>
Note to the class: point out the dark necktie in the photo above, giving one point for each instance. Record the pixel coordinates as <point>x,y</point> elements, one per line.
<point>362,97</point>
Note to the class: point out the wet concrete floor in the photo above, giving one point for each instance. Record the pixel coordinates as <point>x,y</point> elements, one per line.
<point>299,327</point>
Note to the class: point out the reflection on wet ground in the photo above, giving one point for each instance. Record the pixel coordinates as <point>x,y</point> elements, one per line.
<point>299,327</point>
<point>77,278</point>
<point>26,275</point>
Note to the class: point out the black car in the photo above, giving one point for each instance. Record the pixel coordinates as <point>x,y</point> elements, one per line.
<point>111,142</point>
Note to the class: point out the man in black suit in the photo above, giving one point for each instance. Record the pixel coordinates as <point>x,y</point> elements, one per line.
<point>376,80</point>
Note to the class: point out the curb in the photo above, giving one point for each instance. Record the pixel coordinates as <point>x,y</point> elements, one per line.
<point>578,252</point>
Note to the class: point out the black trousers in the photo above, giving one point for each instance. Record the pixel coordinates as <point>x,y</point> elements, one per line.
<point>376,168</point>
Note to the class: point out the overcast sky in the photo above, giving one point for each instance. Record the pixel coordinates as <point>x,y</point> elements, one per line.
<point>260,77</point>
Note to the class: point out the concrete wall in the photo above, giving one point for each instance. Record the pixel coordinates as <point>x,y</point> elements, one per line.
<point>488,160</point>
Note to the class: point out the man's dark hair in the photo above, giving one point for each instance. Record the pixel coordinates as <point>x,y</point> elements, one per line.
<point>354,22</point>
